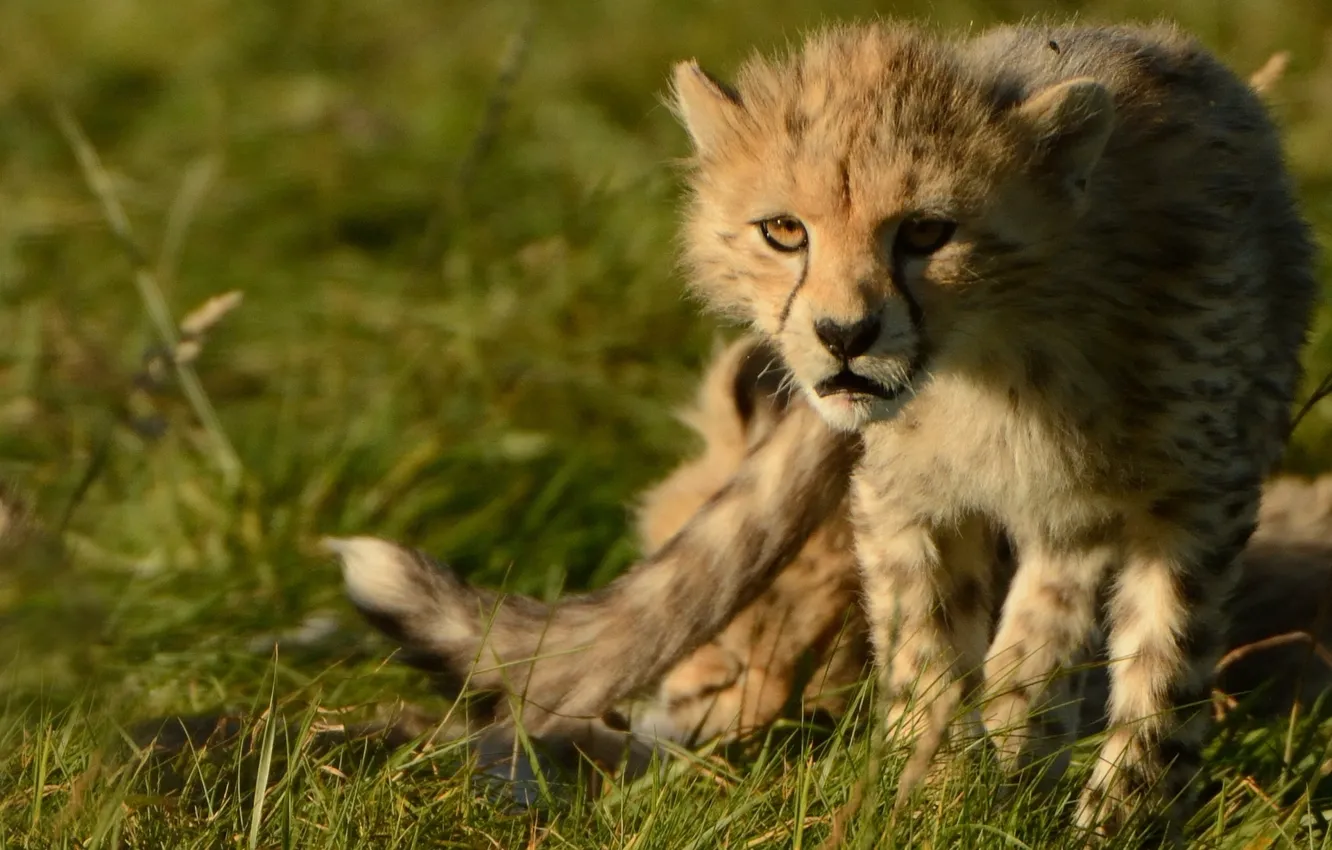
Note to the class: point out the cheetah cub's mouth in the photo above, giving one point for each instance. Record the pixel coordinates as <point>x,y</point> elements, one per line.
<point>848,383</point>
<point>850,399</point>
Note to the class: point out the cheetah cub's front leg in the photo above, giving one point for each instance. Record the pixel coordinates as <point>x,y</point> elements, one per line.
<point>927,592</point>
<point>930,598</point>
<point>1167,627</point>
<point>1031,702</point>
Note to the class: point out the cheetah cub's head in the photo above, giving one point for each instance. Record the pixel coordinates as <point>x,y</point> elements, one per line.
<point>875,205</point>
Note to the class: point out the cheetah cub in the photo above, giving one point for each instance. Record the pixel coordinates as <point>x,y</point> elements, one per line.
<point>1047,283</point>
<point>1056,281</point>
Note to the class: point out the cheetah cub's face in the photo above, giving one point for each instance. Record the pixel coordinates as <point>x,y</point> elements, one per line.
<point>874,207</point>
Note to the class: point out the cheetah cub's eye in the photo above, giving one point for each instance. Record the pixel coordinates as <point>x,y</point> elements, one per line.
<point>920,237</point>
<point>784,233</point>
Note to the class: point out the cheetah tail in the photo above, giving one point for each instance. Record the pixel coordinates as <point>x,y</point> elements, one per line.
<point>578,657</point>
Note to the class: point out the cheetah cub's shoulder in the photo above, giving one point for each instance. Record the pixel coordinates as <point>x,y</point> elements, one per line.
<point>1056,280</point>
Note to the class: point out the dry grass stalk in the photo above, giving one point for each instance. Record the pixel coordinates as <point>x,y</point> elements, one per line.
<point>1266,77</point>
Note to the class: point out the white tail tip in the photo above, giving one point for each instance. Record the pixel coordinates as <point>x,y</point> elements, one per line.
<point>375,573</point>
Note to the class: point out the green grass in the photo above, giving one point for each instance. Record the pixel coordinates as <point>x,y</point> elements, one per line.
<point>467,339</point>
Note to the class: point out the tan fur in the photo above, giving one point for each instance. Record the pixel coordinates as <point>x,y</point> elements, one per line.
<point>1093,353</point>
<point>736,684</point>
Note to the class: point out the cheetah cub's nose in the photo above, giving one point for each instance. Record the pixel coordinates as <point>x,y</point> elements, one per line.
<point>847,341</point>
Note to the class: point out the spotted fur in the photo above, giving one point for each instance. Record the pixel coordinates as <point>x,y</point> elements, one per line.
<point>1099,364</point>
<point>744,678</point>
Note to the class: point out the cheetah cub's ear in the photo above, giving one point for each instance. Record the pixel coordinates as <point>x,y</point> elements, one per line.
<point>1071,123</point>
<point>709,109</point>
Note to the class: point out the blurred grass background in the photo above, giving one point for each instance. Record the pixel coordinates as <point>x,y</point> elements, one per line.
<point>454,228</point>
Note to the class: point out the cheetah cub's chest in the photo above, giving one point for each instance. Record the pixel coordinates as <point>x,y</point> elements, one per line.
<point>960,448</point>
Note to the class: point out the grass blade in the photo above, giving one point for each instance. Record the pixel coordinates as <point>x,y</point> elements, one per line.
<point>265,764</point>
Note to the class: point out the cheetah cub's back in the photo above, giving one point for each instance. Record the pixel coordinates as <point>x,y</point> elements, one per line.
<point>1056,279</point>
